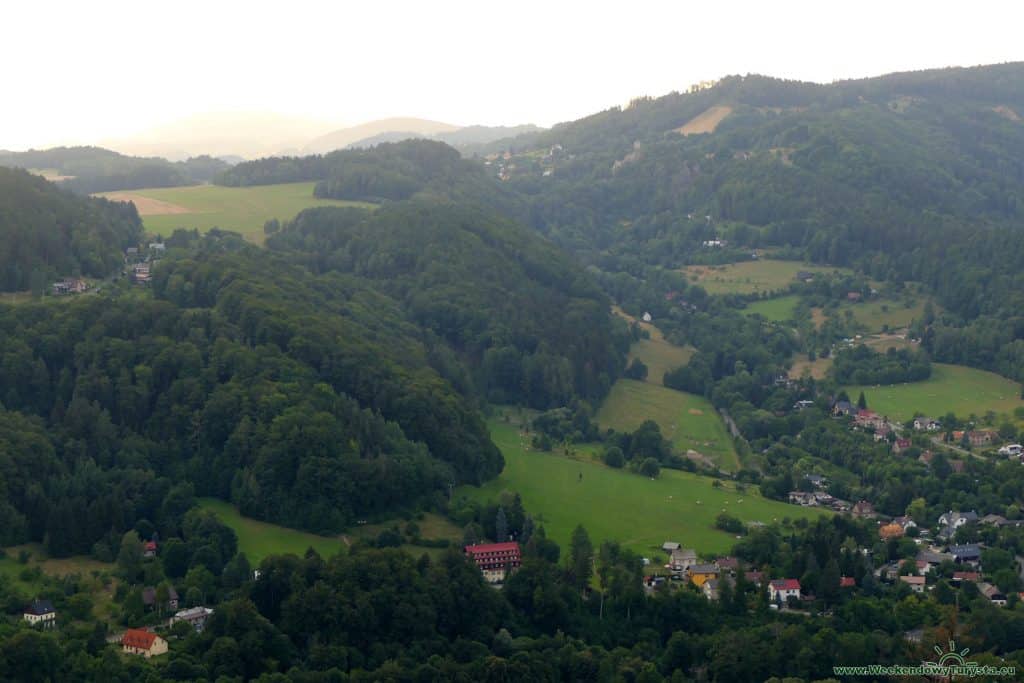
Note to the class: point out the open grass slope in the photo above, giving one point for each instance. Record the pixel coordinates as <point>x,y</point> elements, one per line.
<point>241,209</point>
<point>258,539</point>
<point>748,277</point>
<point>618,505</point>
<point>657,353</point>
<point>953,388</point>
<point>779,309</point>
<point>689,421</point>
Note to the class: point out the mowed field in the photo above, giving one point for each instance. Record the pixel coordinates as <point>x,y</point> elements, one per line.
<point>258,539</point>
<point>748,277</point>
<point>953,388</point>
<point>241,209</point>
<point>618,505</point>
<point>689,421</point>
<point>779,309</point>
<point>657,353</point>
<point>706,121</point>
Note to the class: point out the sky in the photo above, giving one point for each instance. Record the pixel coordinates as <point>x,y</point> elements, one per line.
<point>84,72</point>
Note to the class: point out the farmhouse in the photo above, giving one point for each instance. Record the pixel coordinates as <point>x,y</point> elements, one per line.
<point>713,587</point>
<point>682,558</point>
<point>728,564</point>
<point>847,582</point>
<point>954,520</point>
<point>904,522</point>
<point>926,424</point>
<point>42,613</point>
<point>869,418</point>
<point>842,408</point>
<point>959,577</point>
<point>816,480</point>
<point>195,617</point>
<point>977,437</point>
<point>780,590</point>
<point>138,642</point>
<point>916,583</point>
<point>995,596</point>
<point>149,549</point>
<point>754,577</point>
<point>70,285</point>
<point>700,573</point>
<point>495,560</point>
<point>669,546</point>
<point>802,498</point>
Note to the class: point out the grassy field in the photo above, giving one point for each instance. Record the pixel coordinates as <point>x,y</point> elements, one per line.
<point>950,388</point>
<point>876,314</point>
<point>748,277</point>
<point>818,367</point>
<point>687,420</point>
<point>242,209</point>
<point>778,309</point>
<point>619,505</point>
<point>657,353</point>
<point>258,539</point>
<point>705,122</point>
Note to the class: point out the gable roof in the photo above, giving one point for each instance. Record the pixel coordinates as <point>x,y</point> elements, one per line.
<point>847,582</point>
<point>486,548</point>
<point>913,580</point>
<point>135,637</point>
<point>40,607</point>
<point>785,584</point>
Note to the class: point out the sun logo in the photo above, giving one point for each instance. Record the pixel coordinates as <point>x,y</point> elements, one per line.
<point>952,657</point>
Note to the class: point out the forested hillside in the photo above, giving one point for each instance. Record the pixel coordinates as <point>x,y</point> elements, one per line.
<point>388,172</point>
<point>910,177</point>
<point>94,169</point>
<point>532,325</point>
<point>47,232</point>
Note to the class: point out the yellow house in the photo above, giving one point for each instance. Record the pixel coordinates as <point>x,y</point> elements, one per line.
<point>699,573</point>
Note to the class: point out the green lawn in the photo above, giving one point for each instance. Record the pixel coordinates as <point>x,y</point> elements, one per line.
<point>687,420</point>
<point>779,309</point>
<point>953,388</point>
<point>748,277</point>
<point>876,314</point>
<point>619,505</point>
<point>242,209</point>
<point>258,539</point>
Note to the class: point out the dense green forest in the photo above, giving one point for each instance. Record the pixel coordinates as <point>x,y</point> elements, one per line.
<point>532,326</point>
<point>47,232</point>
<point>93,169</point>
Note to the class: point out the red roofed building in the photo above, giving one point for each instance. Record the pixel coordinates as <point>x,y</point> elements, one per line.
<point>847,582</point>
<point>966,576</point>
<point>495,560</point>
<point>149,549</point>
<point>138,642</point>
<point>780,590</point>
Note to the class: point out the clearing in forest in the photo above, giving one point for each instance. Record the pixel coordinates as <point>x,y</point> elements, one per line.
<point>706,121</point>
<point>749,277</point>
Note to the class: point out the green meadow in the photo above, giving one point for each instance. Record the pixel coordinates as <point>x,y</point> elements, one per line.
<point>749,277</point>
<point>258,539</point>
<point>953,388</point>
<point>689,421</point>
<point>611,504</point>
<point>241,209</point>
<point>779,309</point>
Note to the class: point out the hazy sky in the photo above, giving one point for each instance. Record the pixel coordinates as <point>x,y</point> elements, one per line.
<point>76,72</point>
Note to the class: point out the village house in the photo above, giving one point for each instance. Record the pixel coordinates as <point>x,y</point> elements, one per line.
<point>140,273</point>
<point>70,285</point>
<point>138,642</point>
<point>699,573</point>
<point>816,480</point>
<point>843,408</point>
<point>882,433</point>
<point>933,559</point>
<point>149,549</point>
<point>802,498</point>
<point>916,583</point>
<point>869,419</point>
<point>853,296</point>
<point>681,559</point>
<point>804,276</point>
<point>995,596</point>
<point>712,587</point>
<point>863,509</point>
<point>951,521</point>
<point>780,590</point>
<point>977,437</point>
<point>803,405</point>
<point>41,613</point>
<point>904,521</point>
<point>847,582</point>
<point>960,577</point>
<point>728,564</point>
<point>888,572</point>
<point>149,598</point>
<point>669,546</point>
<point>195,617</point>
<point>900,445</point>
<point>495,560</point>
<point>926,424</point>
<point>969,553</point>
<point>754,577</point>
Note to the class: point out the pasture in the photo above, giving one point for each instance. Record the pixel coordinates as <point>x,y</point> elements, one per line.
<point>657,353</point>
<point>817,368</point>
<point>749,277</point>
<point>953,388</point>
<point>618,505</point>
<point>706,121</point>
<point>779,309</point>
<point>689,421</point>
<point>241,209</point>
<point>258,539</point>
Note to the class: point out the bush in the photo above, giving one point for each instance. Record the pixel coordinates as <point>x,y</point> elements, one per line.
<point>650,468</point>
<point>727,522</point>
<point>613,457</point>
